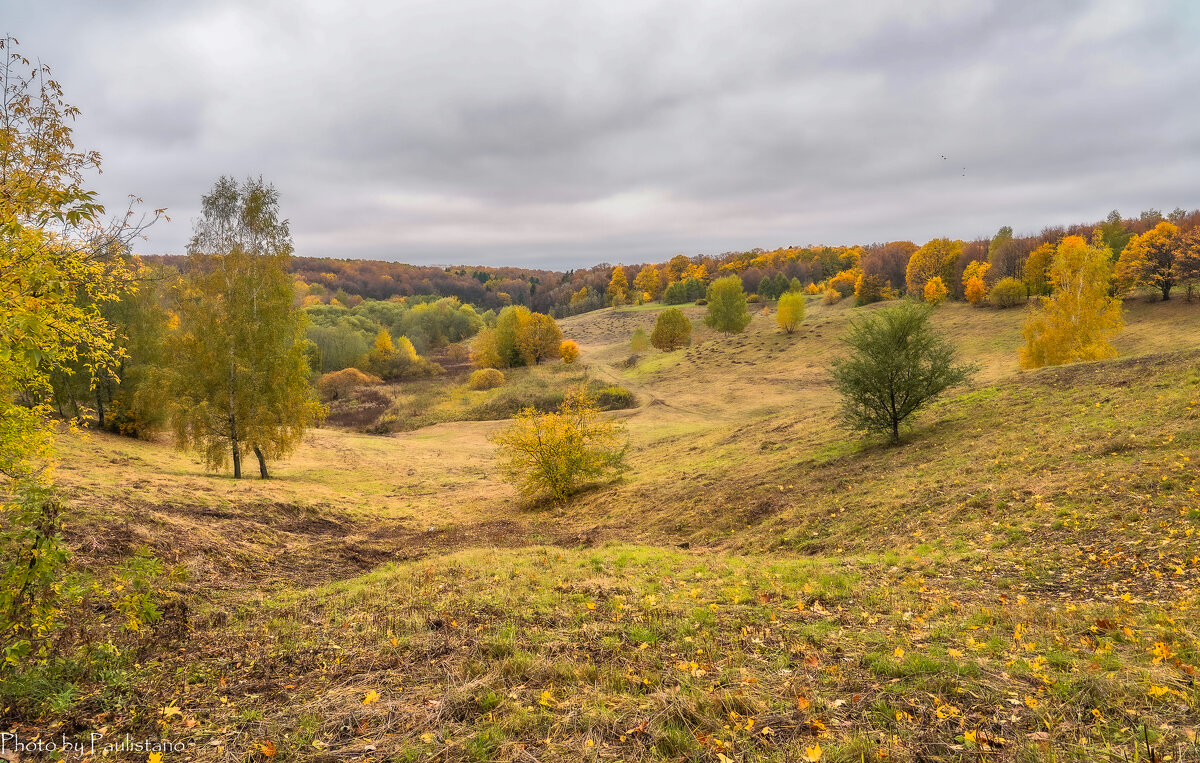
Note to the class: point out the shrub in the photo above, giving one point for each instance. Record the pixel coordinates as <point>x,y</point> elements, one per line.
<point>334,385</point>
<point>640,341</point>
<point>975,290</point>
<point>790,312</point>
<point>935,291</point>
<point>672,330</point>
<point>753,299</point>
<point>832,296</point>
<point>868,289</point>
<point>569,351</point>
<point>1009,292</point>
<point>485,378</point>
<point>897,366</point>
<point>844,281</point>
<point>727,311</point>
<point>552,454</point>
<point>615,398</point>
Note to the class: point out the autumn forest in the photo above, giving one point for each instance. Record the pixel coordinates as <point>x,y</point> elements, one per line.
<point>900,501</point>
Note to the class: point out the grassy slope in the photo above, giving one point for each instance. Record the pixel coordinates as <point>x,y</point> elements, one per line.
<point>1018,579</point>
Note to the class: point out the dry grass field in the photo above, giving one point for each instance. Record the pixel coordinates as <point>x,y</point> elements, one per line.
<point>1018,580</point>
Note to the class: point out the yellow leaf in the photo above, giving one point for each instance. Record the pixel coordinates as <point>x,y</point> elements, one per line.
<point>155,757</point>
<point>813,754</point>
<point>268,748</point>
<point>899,652</point>
<point>971,737</point>
<point>372,696</point>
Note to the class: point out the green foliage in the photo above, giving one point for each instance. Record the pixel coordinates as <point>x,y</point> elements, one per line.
<point>553,454</point>
<point>868,289</point>
<point>672,330</point>
<point>897,366</point>
<point>241,371</point>
<point>727,311</point>
<point>640,341</point>
<point>682,292</point>
<point>615,398</point>
<point>520,338</point>
<point>1009,292</point>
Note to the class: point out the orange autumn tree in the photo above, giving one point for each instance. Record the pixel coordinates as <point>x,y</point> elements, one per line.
<point>1148,260</point>
<point>974,285</point>
<point>1079,320</point>
<point>935,291</point>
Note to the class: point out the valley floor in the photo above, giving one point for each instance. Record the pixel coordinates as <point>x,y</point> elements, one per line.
<point>1018,580</point>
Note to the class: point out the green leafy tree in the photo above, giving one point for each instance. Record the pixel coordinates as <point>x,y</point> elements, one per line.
<point>554,454</point>
<point>640,342</point>
<point>672,330</point>
<point>241,383</point>
<point>727,310</point>
<point>789,313</point>
<point>521,338</point>
<point>897,366</point>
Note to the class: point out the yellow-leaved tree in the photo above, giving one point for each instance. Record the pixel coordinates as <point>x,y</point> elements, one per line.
<point>1078,321</point>
<point>1149,259</point>
<point>618,287</point>
<point>790,312</point>
<point>61,264</point>
<point>974,283</point>
<point>554,454</point>
<point>647,281</point>
<point>935,259</point>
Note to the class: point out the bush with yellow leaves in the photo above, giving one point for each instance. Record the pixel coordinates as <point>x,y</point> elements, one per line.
<point>554,454</point>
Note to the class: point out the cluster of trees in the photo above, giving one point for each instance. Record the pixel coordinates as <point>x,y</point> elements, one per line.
<point>344,337</point>
<point>520,337</point>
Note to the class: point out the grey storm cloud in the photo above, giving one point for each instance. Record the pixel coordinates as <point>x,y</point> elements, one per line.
<point>569,133</point>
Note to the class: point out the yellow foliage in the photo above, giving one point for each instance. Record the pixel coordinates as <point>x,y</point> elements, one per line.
<point>976,290</point>
<point>790,312</point>
<point>935,291</point>
<point>485,378</point>
<point>552,454</point>
<point>832,296</point>
<point>569,351</point>
<point>1078,321</point>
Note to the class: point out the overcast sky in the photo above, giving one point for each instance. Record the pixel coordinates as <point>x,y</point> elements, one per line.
<point>559,133</point>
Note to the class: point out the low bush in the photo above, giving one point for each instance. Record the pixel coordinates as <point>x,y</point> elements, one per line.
<point>1009,292</point>
<point>614,398</point>
<point>337,384</point>
<point>485,378</point>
